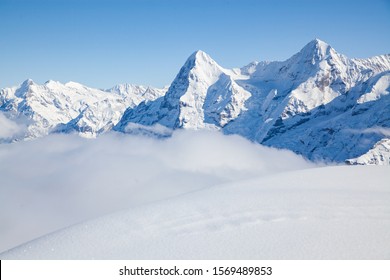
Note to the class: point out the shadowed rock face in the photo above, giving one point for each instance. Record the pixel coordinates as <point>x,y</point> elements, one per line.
<point>318,103</point>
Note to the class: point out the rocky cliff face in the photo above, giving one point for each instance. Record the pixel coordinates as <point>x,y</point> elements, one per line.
<point>318,103</point>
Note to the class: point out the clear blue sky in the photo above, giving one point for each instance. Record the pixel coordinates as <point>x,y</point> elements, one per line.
<point>101,43</point>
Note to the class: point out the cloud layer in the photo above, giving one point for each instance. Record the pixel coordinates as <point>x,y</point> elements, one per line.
<point>59,180</point>
<point>8,128</point>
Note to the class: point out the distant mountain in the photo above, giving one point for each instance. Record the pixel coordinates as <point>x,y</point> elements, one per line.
<point>71,107</point>
<point>319,103</point>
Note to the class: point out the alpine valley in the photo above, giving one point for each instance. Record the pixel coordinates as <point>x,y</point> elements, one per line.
<point>318,103</point>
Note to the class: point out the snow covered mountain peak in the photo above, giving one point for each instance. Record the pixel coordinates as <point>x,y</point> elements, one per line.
<point>314,53</point>
<point>199,67</point>
<point>308,103</point>
<point>203,95</point>
<point>200,57</point>
<point>28,82</point>
<point>317,47</point>
<point>70,107</point>
<point>318,103</point>
<point>51,82</point>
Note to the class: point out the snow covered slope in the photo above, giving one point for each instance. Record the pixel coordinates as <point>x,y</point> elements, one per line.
<point>317,103</point>
<point>337,130</point>
<point>203,95</point>
<point>59,180</point>
<point>378,155</point>
<point>320,213</point>
<point>56,107</point>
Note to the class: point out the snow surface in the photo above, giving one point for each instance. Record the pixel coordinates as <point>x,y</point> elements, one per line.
<point>196,195</point>
<point>324,213</point>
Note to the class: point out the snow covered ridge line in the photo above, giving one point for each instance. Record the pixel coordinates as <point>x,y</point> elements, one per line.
<point>71,107</point>
<point>318,103</point>
<point>378,155</point>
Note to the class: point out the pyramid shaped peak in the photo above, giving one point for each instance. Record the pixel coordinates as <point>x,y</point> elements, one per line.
<point>28,82</point>
<point>200,57</point>
<point>317,45</point>
<point>319,42</point>
<point>315,50</point>
<point>200,54</point>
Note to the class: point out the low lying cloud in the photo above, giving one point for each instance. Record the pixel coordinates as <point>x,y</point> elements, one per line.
<point>59,180</point>
<point>385,131</point>
<point>148,130</point>
<point>8,128</point>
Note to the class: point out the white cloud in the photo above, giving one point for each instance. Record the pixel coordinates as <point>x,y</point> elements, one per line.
<point>8,128</point>
<point>385,131</point>
<point>156,129</point>
<point>59,180</point>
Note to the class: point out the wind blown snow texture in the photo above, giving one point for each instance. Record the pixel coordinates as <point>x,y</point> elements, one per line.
<point>319,103</point>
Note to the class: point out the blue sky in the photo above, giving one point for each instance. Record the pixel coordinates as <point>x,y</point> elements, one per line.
<point>101,43</point>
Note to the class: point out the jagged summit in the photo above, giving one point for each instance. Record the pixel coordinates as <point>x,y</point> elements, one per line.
<point>23,88</point>
<point>53,84</point>
<point>28,82</point>
<point>315,45</point>
<point>199,55</point>
<point>199,59</point>
<point>199,67</point>
<point>315,51</point>
<point>318,42</point>
<point>318,103</point>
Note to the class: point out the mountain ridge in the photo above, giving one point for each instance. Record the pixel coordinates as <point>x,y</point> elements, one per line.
<point>309,103</point>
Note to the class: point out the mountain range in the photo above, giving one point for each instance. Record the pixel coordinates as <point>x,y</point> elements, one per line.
<point>318,103</point>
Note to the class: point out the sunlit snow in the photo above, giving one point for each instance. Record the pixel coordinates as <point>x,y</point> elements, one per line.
<point>194,195</point>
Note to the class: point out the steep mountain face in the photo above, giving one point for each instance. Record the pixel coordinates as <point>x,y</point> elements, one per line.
<point>378,155</point>
<point>339,129</point>
<point>70,107</point>
<point>319,103</point>
<point>203,95</point>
